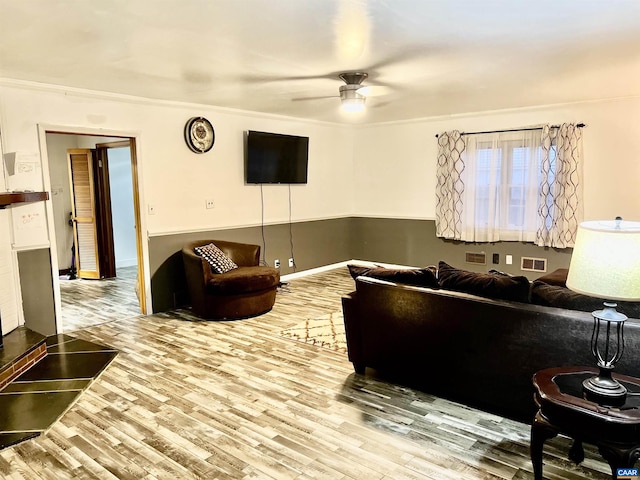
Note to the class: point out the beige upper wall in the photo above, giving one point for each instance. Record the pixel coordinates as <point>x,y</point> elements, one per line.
<point>173,179</point>
<point>177,181</point>
<point>396,163</point>
<point>57,146</point>
<point>380,170</point>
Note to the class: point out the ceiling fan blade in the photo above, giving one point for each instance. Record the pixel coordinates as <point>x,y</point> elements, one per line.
<point>379,104</point>
<point>410,53</point>
<point>302,99</point>
<point>374,90</point>
<point>268,77</point>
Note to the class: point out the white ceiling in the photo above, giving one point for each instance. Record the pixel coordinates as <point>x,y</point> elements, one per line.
<point>439,57</point>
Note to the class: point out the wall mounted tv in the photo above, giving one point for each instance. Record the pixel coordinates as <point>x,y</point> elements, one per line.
<point>276,158</point>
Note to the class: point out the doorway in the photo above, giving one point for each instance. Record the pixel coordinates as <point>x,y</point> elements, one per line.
<point>115,293</point>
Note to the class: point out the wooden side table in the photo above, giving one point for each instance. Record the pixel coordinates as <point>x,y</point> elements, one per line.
<point>562,408</point>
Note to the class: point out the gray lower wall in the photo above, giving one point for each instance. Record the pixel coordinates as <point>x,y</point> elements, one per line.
<point>315,244</point>
<point>36,284</point>
<point>414,242</point>
<point>324,242</point>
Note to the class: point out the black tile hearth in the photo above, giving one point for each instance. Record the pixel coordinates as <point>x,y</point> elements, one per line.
<point>68,365</point>
<point>47,385</point>
<point>31,403</point>
<point>28,411</point>
<point>17,343</point>
<point>67,344</point>
<point>8,439</point>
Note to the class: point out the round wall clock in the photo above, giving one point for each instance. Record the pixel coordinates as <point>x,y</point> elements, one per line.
<point>199,134</point>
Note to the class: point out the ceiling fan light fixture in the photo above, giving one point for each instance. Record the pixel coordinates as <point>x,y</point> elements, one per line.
<point>351,100</point>
<point>353,105</point>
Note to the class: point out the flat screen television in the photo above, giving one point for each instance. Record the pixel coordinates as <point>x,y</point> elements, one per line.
<point>276,158</point>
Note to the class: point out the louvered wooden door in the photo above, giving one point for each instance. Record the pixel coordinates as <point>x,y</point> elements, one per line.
<point>84,212</point>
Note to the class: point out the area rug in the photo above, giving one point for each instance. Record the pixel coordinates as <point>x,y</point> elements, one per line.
<point>326,331</point>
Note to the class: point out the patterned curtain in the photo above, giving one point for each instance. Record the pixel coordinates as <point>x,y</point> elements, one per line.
<point>560,203</point>
<point>450,187</point>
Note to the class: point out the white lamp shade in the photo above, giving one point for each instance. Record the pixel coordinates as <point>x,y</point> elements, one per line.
<point>606,260</point>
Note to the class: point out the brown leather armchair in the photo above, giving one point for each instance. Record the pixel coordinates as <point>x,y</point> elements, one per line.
<point>246,291</point>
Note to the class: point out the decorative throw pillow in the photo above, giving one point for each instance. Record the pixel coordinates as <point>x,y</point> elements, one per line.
<point>219,262</point>
<point>421,277</point>
<point>556,296</point>
<point>490,285</point>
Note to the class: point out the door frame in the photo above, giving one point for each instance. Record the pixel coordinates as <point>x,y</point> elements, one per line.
<point>105,232</point>
<point>142,237</point>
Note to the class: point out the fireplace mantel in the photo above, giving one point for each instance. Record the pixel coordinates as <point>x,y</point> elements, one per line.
<point>10,198</point>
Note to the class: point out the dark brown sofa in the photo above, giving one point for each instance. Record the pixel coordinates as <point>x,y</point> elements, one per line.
<point>246,291</point>
<point>470,349</point>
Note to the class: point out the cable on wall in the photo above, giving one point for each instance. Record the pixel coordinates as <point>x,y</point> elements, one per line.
<point>291,232</point>
<point>263,262</point>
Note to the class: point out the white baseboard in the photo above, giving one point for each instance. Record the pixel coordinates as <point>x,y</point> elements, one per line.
<point>312,271</point>
<point>333,266</point>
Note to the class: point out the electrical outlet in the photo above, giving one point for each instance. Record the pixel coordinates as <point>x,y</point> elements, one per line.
<point>152,210</point>
<point>276,263</point>
<point>291,262</point>
<point>210,204</point>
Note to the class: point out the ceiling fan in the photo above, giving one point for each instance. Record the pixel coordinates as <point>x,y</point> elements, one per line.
<point>353,94</point>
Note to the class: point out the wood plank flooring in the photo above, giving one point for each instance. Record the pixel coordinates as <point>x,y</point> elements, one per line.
<point>91,302</point>
<point>237,400</point>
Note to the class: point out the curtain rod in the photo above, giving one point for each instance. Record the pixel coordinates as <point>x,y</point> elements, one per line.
<point>579,125</point>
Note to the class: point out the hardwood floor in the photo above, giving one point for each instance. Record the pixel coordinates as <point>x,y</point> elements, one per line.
<point>91,302</point>
<point>186,399</point>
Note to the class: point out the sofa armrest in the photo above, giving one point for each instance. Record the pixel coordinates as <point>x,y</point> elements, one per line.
<point>353,331</point>
<point>197,270</point>
<point>192,263</point>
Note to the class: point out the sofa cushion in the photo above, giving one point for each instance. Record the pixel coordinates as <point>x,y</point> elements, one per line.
<point>421,277</point>
<point>557,277</point>
<point>562,297</point>
<point>490,285</point>
<point>243,280</point>
<point>219,262</point>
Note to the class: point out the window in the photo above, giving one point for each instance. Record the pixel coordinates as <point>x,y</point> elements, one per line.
<point>504,177</point>
<point>510,186</point>
<point>511,181</point>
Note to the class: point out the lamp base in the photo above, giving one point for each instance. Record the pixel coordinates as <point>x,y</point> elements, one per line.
<point>604,387</point>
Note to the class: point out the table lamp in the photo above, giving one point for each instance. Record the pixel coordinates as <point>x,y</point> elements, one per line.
<point>606,264</point>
